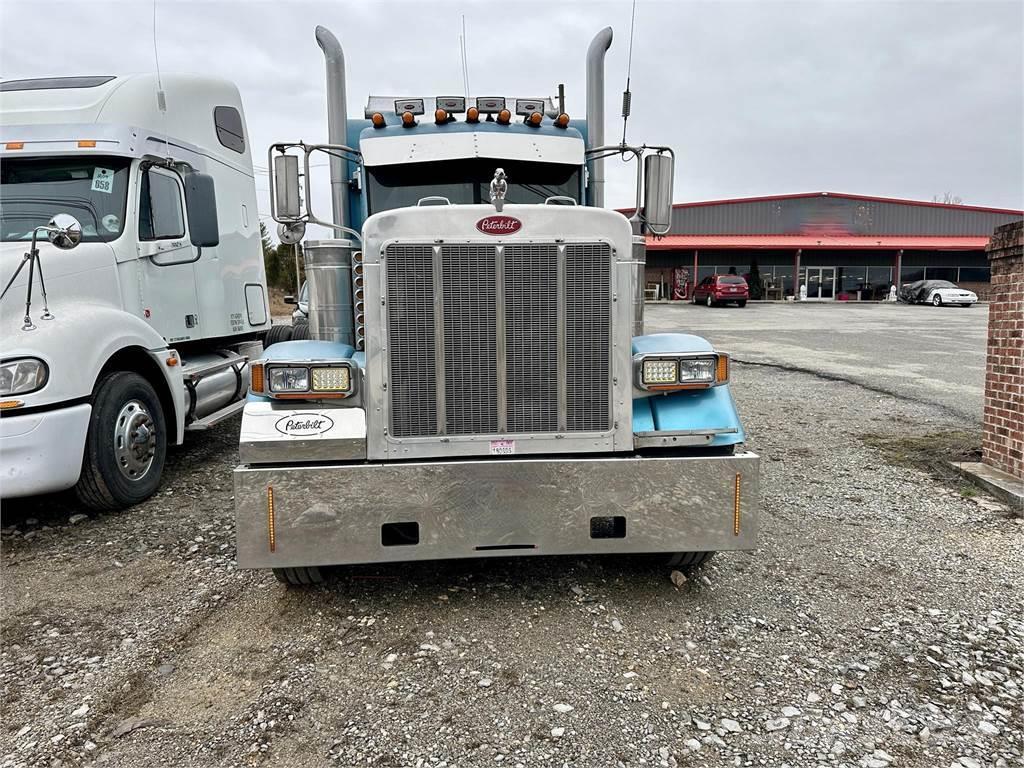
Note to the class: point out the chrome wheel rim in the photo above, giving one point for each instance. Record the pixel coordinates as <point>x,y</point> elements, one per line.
<point>937,300</point>
<point>134,440</point>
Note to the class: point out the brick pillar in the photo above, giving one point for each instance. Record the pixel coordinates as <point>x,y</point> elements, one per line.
<point>1003,435</point>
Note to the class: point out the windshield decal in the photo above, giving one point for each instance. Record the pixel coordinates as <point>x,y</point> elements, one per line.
<point>103,180</point>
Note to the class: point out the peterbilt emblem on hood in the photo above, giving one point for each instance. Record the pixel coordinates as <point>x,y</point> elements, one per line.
<point>499,225</point>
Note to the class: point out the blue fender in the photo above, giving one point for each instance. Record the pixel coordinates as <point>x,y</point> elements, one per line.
<point>700,409</point>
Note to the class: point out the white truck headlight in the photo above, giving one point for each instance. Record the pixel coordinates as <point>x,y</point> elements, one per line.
<point>683,371</point>
<point>302,380</point>
<point>21,376</point>
<point>289,380</point>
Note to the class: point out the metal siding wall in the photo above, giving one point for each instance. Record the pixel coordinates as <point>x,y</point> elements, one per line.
<point>833,214</point>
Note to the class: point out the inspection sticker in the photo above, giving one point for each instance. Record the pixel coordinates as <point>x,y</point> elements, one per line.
<point>103,180</point>
<point>503,447</point>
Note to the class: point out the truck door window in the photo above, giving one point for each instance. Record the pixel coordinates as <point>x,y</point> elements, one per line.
<point>160,211</point>
<point>94,190</point>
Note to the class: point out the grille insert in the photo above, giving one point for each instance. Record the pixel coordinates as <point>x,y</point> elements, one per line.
<point>489,340</point>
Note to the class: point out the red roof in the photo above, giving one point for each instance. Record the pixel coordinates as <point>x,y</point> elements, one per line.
<point>798,195</point>
<point>790,242</point>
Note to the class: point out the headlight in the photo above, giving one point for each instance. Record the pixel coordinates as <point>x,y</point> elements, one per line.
<point>289,380</point>
<point>19,377</point>
<point>671,372</point>
<point>310,380</point>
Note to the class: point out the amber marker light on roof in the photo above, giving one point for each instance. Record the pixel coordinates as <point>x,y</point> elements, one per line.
<point>534,120</point>
<point>378,120</point>
<point>408,119</point>
<point>473,115</point>
<point>504,117</point>
<point>440,116</point>
<point>562,121</point>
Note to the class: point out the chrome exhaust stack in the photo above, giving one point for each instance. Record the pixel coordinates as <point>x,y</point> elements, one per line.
<point>595,112</point>
<point>337,120</point>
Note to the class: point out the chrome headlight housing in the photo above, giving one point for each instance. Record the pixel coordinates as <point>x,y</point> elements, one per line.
<point>22,376</point>
<point>303,379</point>
<point>667,372</point>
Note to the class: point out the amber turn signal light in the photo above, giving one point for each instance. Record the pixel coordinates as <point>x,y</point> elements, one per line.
<point>473,115</point>
<point>534,120</point>
<point>256,380</point>
<point>722,369</point>
<point>562,121</point>
<point>440,116</point>
<point>504,117</point>
<point>378,120</point>
<point>408,119</point>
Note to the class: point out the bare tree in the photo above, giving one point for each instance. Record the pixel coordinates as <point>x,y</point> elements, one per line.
<point>948,198</point>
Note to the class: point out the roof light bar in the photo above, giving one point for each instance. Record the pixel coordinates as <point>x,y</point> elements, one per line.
<point>526,107</point>
<point>453,105</point>
<point>490,105</point>
<point>409,105</point>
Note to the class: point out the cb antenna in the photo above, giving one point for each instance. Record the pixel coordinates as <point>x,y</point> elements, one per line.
<point>627,97</point>
<point>161,97</point>
<point>465,64</point>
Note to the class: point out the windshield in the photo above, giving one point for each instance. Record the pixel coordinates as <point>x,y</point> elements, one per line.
<point>941,284</point>
<point>94,190</point>
<point>469,181</point>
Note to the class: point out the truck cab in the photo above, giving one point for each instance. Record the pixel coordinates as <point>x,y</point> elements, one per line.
<point>478,382</point>
<point>133,280</point>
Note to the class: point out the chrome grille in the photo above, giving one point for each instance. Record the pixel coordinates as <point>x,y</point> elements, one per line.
<point>490,340</point>
<point>531,337</point>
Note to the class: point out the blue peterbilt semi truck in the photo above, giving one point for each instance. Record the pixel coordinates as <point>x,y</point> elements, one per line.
<point>477,381</point>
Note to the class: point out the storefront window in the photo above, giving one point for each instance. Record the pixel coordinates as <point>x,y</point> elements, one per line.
<point>941,273</point>
<point>912,275</point>
<point>850,279</point>
<point>975,275</point>
<point>878,282</point>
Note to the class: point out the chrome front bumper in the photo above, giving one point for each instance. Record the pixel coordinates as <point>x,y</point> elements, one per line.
<point>364,513</point>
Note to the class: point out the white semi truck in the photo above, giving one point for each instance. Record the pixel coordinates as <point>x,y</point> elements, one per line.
<point>132,274</point>
<point>478,383</point>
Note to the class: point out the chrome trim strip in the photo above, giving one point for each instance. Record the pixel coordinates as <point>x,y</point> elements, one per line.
<point>500,356</point>
<point>439,385</point>
<point>563,408</point>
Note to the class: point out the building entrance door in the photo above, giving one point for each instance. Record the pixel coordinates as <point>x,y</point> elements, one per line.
<point>821,283</point>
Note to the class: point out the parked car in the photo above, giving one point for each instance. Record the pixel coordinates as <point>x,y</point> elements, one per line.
<point>936,293</point>
<point>301,312</point>
<point>721,289</point>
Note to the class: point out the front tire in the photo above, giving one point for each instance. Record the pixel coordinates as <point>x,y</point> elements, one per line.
<point>710,301</point>
<point>126,445</point>
<point>936,300</point>
<point>741,303</point>
<point>299,577</point>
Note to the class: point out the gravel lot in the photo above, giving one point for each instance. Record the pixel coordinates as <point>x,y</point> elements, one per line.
<point>880,622</point>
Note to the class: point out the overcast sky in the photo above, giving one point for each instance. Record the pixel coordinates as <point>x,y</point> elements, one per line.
<point>901,99</point>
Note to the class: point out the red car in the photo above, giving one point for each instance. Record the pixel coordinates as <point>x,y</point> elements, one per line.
<point>720,289</point>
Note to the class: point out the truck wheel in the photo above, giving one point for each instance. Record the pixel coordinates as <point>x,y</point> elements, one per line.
<point>688,559</point>
<point>126,444</point>
<point>299,577</point>
<point>276,334</point>
<point>300,332</point>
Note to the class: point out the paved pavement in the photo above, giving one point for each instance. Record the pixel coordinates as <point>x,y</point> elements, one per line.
<point>928,354</point>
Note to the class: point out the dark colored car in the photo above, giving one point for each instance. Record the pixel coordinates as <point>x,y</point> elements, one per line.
<point>721,289</point>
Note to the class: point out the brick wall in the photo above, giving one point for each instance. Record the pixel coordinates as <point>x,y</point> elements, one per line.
<point>1003,436</point>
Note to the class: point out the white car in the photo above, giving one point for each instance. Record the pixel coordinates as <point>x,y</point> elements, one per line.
<point>937,293</point>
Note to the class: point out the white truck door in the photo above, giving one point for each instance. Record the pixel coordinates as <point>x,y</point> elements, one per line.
<point>170,301</point>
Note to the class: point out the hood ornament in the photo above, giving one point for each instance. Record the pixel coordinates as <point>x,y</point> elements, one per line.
<point>499,186</point>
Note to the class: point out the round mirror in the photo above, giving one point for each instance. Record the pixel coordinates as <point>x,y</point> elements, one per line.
<point>292,232</point>
<point>66,232</point>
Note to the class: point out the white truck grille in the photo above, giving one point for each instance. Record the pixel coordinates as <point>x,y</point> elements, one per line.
<point>491,340</point>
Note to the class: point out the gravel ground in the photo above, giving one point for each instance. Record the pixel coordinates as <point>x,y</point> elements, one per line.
<point>880,622</point>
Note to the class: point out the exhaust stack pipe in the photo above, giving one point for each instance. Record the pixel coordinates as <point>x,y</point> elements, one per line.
<point>337,112</point>
<point>595,111</point>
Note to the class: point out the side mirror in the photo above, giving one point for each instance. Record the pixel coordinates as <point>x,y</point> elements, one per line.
<point>67,232</point>
<point>290,300</point>
<point>658,174</point>
<point>201,208</point>
<point>286,186</point>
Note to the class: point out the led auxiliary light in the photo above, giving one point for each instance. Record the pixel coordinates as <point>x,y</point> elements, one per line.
<point>660,372</point>
<point>302,380</point>
<point>331,380</point>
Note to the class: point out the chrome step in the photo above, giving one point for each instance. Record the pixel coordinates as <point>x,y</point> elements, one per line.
<point>215,418</point>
